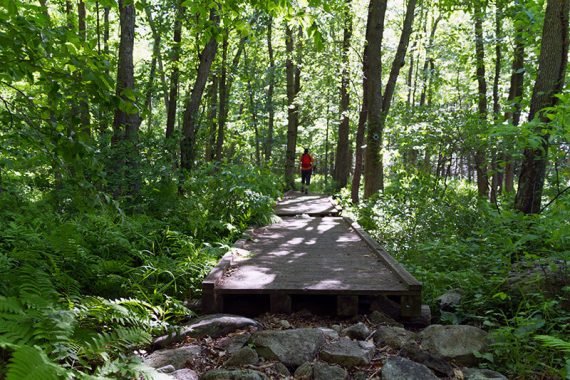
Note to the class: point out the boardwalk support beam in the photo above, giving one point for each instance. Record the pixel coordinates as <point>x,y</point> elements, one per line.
<point>410,306</point>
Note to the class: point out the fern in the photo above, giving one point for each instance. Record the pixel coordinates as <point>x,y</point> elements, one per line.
<point>553,342</point>
<point>31,363</point>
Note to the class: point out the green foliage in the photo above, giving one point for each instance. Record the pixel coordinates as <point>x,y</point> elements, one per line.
<point>510,268</point>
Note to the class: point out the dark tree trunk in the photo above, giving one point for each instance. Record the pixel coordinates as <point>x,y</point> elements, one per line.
<point>175,74</point>
<point>513,114</point>
<point>157,55</point>
<point>125,124</point>
<point>252,108</point>
<point>83,102</point>
<point>189,124</point>
<point>480,159</point>
<point>428,63</point>
<point>292,110</point>
<point>373,155</point>
<point>226,82</point>
<point>497,173</point>
<point>271,80</point>
<point>342,163</point>
<point>377,113</point>
<point>212,116</point>
<point>549,82</point>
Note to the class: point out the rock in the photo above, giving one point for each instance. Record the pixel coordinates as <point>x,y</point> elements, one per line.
<point>423,320</point>
<point>323,371</point>
<point>280,369</point>
<point>320,371</point>
<point>347,353</point>
<point>481,374</point>
<point>337,328</point>
<point>304,372</point>
<point>214,325</point>
<point>398,368</point>
<point>290,347</point>
<point>285,324</point>
<point>166,369</point>
<point>329,333</point>
<point>237,342</point>
<point>457,342</point>
<point>244,356</point>
<point>379,318</point>
<point>395,337</point>
<point>176,357</point>
<point>413,352</point>
<point>358,331</point>
<point>238,374</point>
<point>185,374</point>
<point>449,300</point>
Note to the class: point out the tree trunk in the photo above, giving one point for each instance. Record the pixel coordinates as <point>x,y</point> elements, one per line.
<point>189,124</point>
<point>513,113</point>
<point>373,180</point>
<point>269,104</point>
<point>126,124</point>
<point>175,74</point>
<point>428,63</point>
<point>377,113</point>
<point>157,55</point>
<point>252,109</point>
<point>226,82</point>
<point>83,102</point>
<point>497,172</point>
<point>549,82</point>
<point>292,110</point>
<point>480,160</point>
<point>342,163</point>
<point>212,116</point>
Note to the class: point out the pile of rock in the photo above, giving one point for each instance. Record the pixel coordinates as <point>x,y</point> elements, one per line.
<point>230,347</point>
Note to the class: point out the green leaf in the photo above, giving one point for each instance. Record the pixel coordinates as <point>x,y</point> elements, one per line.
<point>31,363</point>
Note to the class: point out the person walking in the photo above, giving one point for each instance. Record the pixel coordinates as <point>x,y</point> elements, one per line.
<point>306,161</point>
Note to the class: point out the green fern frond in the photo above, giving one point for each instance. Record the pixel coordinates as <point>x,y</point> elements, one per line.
<point>553,342</point>
<point>31,363</point>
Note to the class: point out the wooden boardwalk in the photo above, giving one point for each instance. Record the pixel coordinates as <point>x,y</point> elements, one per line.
<point>306,259</point>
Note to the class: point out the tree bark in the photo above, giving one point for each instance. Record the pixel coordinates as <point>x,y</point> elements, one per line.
<point>291,69</point>
<point>513,113</point>
<point>189,124</point>
<point>270,89</point>
<point>428,63</point>
<point>252,109</point>
<point>549,82</point>
<point>379,106</point>
<point>212,116</point>
<point>175,73</point>
<point>373,180</point>
<point>342,163</point>
<point>497,177</point>
<point>126,124</point>
<point>480,160</point>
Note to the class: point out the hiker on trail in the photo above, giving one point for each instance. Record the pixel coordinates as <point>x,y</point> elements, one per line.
<point>306,170</point>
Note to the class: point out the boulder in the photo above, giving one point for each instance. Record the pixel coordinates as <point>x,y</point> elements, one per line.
<point>238,374</point>
<point>358,331</point>
<point>244,356</point>
<point>320,371</point>
<point>347,353</point>
<point>449,300</point>
<point>481,374</point>
<point>279,369</point>
<point>185,374</point>
<point>379,318</point>
<point>413,352</point>
<point>398,368</point>
<point>214,325</point>
<point>175,357</point>
<point>457,342</point>
<point>290,347</point>
<point>395,337</point>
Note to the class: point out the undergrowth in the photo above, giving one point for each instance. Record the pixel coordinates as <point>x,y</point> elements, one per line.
<point>86,279</point>
<point>513,270</point>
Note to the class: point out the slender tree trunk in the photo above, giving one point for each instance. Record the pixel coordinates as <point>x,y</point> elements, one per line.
<point>342,163</point>
<point>428,63</point>
<point>125,124</point>
<point>226,81</point>
<point>252,108</point>
<point>549,82</point>
<point>212,116</point>
<point>496,179</point>
<point>373,174</point>
<point>373,155</point>
<point>157,55</point>
<point>175,74</point>
<point>189,124</point>
<point>269,104</point>
<point>292,110</point>
<point>480,159</point>
<point>513,112</point>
